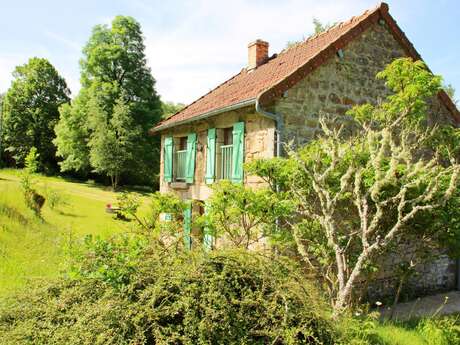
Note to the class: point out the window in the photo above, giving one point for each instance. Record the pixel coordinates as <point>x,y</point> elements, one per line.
<point>226,154</point>
<point>180,159</point>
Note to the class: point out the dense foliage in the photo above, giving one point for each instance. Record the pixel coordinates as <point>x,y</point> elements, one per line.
<point>170,108</point>
<point>30,111</point>
<point>242,216</point>
<point>125,291</point>
<point>115,108</point>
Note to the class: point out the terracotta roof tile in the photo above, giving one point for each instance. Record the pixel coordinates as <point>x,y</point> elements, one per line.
<point>285,69</point>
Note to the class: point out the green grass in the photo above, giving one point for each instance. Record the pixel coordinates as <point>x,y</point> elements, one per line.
<point>432,330</point>
<point>390,334</point>
<point>32,249</point>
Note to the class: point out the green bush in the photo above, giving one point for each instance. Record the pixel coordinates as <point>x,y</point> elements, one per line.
<point>54,198</point>
<point>228,297</point>
<point>443,331</point>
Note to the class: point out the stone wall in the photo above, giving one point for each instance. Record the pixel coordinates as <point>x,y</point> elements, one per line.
<point>334,88</point>
<point>259,143</point>
<point>341,83</point>
<point>432,277</point>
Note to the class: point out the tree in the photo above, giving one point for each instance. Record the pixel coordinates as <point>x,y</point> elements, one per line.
<point>72,135</point>
<point>360,195</point>
<point>450,90</point>
<point>318,28</point>
<point>113,64</point>
<point>31,111</point>
<point>2,96</point>
<point>243,216</point>
<point>114,139</point>
<point>170,108</point>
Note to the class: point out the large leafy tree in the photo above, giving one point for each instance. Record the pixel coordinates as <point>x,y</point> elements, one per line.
<point>170,108</point>
<point>113,66</point>
<point>72,135</point>
<point>31,110</point>
<point>1,127</point>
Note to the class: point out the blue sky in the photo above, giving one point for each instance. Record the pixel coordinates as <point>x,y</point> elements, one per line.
<point>192,46</point>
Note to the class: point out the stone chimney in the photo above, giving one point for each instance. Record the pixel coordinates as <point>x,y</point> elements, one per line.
<point>257,54</point>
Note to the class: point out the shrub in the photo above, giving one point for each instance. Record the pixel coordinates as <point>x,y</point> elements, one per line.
<point>55,199</point>
<point>443,331</point>
<point>164,298</point>
<point>31,161</point>
<point>33,199</point>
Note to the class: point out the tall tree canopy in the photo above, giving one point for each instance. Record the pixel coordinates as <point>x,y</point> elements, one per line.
<point>31,110</point>
<point>1,127</point>
<point>170,108</point>
<point>113,71</point>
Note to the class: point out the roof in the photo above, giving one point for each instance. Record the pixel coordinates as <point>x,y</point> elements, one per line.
<point>282,71</point>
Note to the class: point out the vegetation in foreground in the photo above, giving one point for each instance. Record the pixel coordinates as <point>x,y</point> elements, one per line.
<point>33,248</point>
<point>132,290</point>
<point>127,292</point>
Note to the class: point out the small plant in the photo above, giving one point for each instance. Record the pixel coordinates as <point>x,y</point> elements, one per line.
<point>55,199</point>
<point>112,261</point>
<point>31,161</point>
<point>33,199</point>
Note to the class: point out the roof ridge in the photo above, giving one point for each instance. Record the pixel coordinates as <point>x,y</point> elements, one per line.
<point>355,20</point>
<point>334,27</point>
<point>275,76</point>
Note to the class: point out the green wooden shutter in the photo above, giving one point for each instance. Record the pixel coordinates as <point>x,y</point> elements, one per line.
<point>238,152</point>
<point>190,163</point>
<point>211,156</point>
<point>168,159</point>
<point>208,238</point>
<point>188,226</point>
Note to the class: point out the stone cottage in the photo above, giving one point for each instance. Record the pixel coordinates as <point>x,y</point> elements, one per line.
<point>277,98</point>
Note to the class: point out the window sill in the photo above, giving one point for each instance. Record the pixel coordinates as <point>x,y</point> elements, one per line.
<point>178,185</point>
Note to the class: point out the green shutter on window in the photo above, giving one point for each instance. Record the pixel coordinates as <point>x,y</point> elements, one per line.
<point>191,153</point>
<point>238,152</point>
<point>168,159</point>
<point>211,156</point>
<point>208,235</point>
<point>188,226</point>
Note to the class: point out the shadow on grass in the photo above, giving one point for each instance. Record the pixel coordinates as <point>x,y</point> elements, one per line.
<point>14,214</point>
<point>68,214</point>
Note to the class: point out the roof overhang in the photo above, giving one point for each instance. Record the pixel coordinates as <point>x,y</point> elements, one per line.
<point>203,116</point>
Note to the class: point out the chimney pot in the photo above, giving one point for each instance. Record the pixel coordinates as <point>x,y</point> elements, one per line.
<point>257,53</point>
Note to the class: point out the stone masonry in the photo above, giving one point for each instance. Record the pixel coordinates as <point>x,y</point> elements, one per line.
<point>341,83</point>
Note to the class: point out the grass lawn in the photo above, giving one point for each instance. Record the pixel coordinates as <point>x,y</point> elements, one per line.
<point>397,335</point>
<point>31,248</point>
